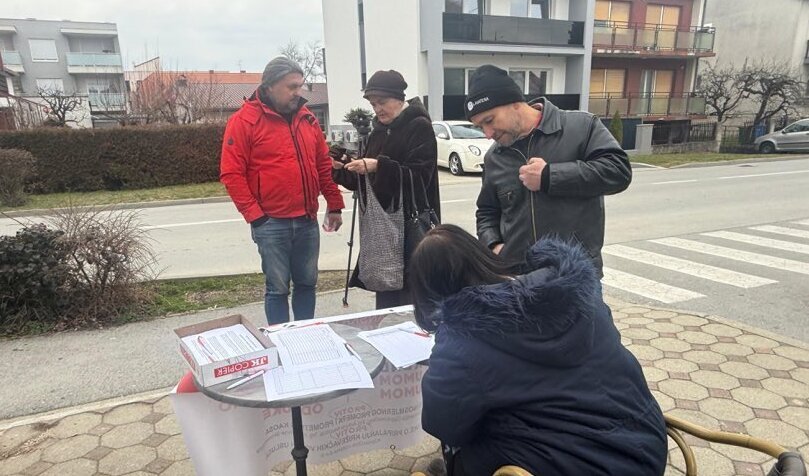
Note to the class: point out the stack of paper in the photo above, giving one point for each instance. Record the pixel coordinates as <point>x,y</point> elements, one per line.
<point>313,360</point>
<point>222,343</point>
<point>403,345</point>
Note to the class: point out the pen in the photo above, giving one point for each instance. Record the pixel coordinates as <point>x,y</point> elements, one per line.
<point>353,352</point>
<point>418,333</point>
<point>244,380</point>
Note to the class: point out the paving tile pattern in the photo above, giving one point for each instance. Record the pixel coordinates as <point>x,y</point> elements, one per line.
<point>709,372</point>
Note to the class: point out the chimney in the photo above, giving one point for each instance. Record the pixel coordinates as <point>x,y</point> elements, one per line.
<point>242,71</point>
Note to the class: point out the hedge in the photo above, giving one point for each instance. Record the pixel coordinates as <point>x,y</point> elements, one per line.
<point>83,160</point>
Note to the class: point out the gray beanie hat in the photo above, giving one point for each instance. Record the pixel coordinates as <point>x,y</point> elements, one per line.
<point>277,69</point>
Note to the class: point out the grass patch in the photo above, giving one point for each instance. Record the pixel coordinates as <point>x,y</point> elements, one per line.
<point>174,192</point>
<point>670,160</point>
<point>174,296</point>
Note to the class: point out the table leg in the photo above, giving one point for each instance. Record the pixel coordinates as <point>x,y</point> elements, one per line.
<point>299,451</point>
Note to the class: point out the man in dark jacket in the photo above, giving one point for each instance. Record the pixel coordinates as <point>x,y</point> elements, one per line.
<point>548,172</point>
<point>275,163</point>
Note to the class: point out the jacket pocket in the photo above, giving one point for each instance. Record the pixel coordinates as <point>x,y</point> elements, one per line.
<point>507,198</point>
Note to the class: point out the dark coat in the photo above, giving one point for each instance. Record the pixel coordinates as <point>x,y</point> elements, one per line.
<point>405,145</point>
<point>532,372</point>
<point>584,163</point>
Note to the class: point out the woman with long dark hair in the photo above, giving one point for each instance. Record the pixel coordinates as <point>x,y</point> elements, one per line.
<point>528,368</point>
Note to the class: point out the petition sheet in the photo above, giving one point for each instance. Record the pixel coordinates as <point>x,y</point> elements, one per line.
<point>403,345</point>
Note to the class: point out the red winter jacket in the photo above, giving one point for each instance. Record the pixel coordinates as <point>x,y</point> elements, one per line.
<point>271,167</point>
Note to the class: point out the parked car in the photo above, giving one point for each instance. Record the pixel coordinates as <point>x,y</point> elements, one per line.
<point>461,146</point>
<point>792,137</point>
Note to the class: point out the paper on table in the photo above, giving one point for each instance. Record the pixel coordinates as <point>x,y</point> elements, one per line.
<point>281,383</point>
<point>400,344</point>
<point>222,343</point>
<point>309,346</point>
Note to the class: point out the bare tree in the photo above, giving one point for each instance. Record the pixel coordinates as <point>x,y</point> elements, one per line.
<point>62,108</point>
<point>309,57</point>
<point>775,86</point>
<point>177,98</point>
<point>723,89</point>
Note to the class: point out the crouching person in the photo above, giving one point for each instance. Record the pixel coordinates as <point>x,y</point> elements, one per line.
<point>528,368</point>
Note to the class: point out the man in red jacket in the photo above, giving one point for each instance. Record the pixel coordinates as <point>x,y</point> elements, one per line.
<point>275,164</point>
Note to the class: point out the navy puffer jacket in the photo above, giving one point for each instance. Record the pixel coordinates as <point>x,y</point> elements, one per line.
<point>532,372</point>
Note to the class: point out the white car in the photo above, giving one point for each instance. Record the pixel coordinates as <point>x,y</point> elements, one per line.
<point>461,146</point>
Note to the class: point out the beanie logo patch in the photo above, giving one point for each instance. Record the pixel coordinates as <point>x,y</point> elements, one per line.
<point>471,104</point>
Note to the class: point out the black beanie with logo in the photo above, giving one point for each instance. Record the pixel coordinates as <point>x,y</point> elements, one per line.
<point>490,87</point>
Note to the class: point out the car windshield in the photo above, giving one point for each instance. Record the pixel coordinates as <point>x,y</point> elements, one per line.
<point>467,131</point>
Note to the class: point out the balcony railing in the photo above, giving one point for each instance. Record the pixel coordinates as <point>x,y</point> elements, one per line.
<point>107,101</point>
<point>469,28</point>
<point>12,58</point>
<point>91,60</point>
<point>647,104</point>
<point>647,37</point>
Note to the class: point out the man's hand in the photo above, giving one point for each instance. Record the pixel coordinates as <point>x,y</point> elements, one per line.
<point>362,166</point>
<point>337,164</point>
<point>531,174</point>
<point>333,221</point>
<point>497,248</point>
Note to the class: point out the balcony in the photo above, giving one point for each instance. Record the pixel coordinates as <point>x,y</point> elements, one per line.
<point>107,102</point>
<point>470,28</point>
<point>94,63</point>
<point>13,61</point>
<point>647,104</point>
<point>618,38</point>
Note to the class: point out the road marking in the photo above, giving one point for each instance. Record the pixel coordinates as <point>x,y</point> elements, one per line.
<point>763,175</point>
<point>738,255</point>
<point>760,241</point>
<point>195,223</point>
<point>674,181</point>
<point>647,288</point>
<point>782,230</point>
<point>802,222</point>
<point>704,271</point>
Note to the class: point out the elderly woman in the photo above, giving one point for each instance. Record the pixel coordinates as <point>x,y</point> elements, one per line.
<point>402,144</point>
<point>528,368</point>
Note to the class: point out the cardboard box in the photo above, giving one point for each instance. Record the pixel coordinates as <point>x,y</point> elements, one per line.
<point>212,373</point>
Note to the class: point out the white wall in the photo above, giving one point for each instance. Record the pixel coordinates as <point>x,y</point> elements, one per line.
<point>342,43</point>
<point>556,65</point>
<point>558,11</point>
<point>392,40</point>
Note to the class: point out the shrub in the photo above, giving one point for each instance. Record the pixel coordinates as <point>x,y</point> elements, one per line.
<point>34,277</point>
<point>16,168</point>
<point>617,127</point>
<point>84,160</point>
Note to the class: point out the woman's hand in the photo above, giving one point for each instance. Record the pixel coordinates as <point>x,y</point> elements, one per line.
<point>336,164</point>
<point>362,166</point>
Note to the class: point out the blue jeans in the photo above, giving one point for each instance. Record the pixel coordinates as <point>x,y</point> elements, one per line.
<point>289,248</point>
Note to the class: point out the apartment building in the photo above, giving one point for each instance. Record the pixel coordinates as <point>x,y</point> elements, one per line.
<point>645,58</point>
<point>544,44</point>
<point>81,58</point>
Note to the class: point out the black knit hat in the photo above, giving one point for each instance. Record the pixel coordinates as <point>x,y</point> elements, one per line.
<point>490,87</point>
<point>389,84</point>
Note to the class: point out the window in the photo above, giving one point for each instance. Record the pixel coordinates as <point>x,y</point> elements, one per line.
<point>439,129</point>
<point>469,73</point>
<point>454,83</point>
<point>463,6</point>
<point>530,8</point>
<point>665,17</point>
<point>51,85</point>
<point>43,51</point>
<point>611,12</point>
<point>607,82</point>
<point>467,131</point>
<point>657,82</point>
<point>800,126</point>
<point>532,82</point>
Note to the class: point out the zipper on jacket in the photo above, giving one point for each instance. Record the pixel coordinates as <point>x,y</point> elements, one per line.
<point>530,193</point>
<point>301,167</point>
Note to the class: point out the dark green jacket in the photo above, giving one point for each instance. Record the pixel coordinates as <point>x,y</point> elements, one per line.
<point>584,163</point>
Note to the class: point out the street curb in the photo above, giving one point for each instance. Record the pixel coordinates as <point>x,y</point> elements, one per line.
<point>118,206</point>
<point>60,413</point>
<point>753,160</point>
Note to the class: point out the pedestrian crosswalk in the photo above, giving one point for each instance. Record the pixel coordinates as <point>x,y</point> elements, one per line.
<point>743,258</point>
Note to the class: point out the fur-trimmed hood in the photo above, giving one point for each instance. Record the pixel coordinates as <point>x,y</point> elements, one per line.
<point>544,316</point>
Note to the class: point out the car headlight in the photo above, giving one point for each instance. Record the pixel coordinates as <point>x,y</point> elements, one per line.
<point>474,149</point>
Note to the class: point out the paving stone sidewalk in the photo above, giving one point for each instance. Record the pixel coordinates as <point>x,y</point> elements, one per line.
<point>706,369</point>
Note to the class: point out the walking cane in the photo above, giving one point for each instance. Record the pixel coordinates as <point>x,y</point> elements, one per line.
<point>363,128</point>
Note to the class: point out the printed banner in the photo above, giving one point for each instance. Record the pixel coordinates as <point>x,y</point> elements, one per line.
<point>227,439</point>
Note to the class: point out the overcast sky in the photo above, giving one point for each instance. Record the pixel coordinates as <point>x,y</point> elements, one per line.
<point>186,34</point>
